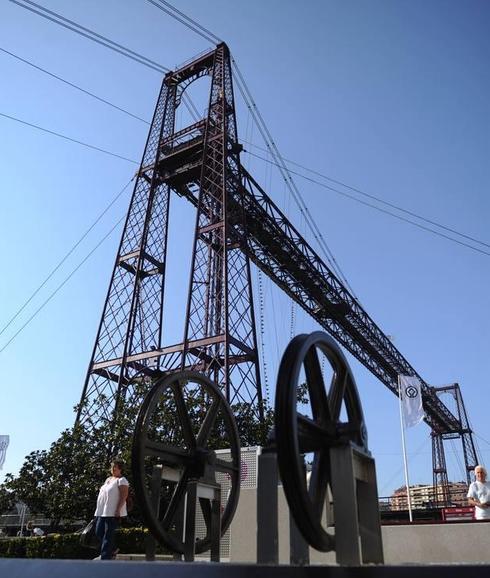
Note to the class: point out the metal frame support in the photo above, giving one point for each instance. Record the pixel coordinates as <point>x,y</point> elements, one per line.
<point>197,490</point>
<point>267,508</point>
<point>357,521</point>
<point>185,519</point>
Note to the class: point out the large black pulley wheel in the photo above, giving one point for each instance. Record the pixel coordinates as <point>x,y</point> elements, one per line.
<point>310,420</point>
<point>183,422</point>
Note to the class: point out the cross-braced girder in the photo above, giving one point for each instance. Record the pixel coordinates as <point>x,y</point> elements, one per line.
<point>236,222</point>
<point>220,338</point>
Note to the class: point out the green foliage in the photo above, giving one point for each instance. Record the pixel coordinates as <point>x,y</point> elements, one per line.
<point>67,546</point>
<point>12,547</point>
<point>62,483</point>
<point>7,500</point>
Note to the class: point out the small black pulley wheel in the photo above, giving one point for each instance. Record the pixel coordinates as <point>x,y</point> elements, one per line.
<point>183,422</point>
<point>308,429</point>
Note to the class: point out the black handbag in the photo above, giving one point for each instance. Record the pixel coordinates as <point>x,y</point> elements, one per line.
<point>88,537</point>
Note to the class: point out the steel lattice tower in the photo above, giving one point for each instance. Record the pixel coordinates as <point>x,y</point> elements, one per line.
<point>236,223</point>
<point>463,431</point>
<point>201,162</point>
<point>440,481</point>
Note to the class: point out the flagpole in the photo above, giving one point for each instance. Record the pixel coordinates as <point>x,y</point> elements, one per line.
<point>405,462</point>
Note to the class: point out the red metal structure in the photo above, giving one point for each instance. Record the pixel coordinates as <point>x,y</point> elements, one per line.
<point>236,222</point>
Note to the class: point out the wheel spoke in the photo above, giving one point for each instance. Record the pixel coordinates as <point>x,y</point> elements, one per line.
<point>183,414</point>
<point>226,467</point>
<point>170,455</point>
<point>312,436</point>
<point>316,387</point>
<point>337,392</point>
<point>320,475</point>
<point>208,423</point>
<point>177,496</point>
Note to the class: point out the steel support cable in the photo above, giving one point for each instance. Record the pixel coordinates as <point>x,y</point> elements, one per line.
<point>89,34</point>
<point>208,35</point>
<point>373,197</point>
<point>481,437</point>
<point>458,460</point>
<point>262,332</point>
<point>62,284</point>
<point>129,113</point>
<point>185,20</point>
<point>195,114</point>
<point>87,92</point>
<point>285,173</point>
<point>247,96</point>
<point>99,39</point>
<point>385,211</point>
<point>473,433</point>
<point>400,469</point>
<point>52,132</point>
<point>64,258</point>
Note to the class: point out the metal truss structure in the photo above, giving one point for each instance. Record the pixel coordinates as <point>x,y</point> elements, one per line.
<point>440,479</point>
<point>236,223</point>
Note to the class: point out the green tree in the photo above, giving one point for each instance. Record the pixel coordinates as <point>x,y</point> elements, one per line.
<point>7,500</point>
<point>62,483</point>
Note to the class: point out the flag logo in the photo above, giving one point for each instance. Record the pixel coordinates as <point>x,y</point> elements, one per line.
<point>410,392</point>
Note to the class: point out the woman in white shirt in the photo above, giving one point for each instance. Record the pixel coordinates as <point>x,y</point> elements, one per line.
<point>111,507</point>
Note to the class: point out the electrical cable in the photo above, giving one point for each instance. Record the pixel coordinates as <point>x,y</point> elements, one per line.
<point>62,284</point>
<point>347,195</point>
<point>285,173</point>
<point>186,20</point>
<point>111,104</point>
<point>99,39</point>
<point>247,96</point>
<point>458,460</point>
<point>30,124</point>
<point>116,155</point>
<point>195,114</point>
<point>373,197</point>
<point>90,34</point>
<point>63,259</point>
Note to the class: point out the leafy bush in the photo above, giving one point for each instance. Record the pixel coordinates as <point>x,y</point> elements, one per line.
<point>67,546</point>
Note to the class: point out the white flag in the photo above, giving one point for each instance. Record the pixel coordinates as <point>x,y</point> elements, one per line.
<point>411,399</point>
<point>4,443</point>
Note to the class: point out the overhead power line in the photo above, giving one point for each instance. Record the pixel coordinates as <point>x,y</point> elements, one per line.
<point>103,100</point>
<point>100,39</point>
<point>264,131</point>
<point>64,258</point>
<point>90,34</point>
<point>381,210</point>
<point>342,193</point>
<point>186,20</point>
<point>373,197</point>
<point>61,285</point>
<point>209,36</point>
<point>63,136</point>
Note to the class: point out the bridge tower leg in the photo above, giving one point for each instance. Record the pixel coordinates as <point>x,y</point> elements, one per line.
<point>440,479</point>
<point>439,472</point>
<point>200,162</point>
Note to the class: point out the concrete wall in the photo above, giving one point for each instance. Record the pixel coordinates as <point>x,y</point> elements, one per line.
<point>455,542</point>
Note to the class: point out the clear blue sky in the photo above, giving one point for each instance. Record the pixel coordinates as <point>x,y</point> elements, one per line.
<point>388,96</point>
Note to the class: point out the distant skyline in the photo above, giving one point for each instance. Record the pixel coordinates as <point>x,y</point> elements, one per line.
<point>389,97</point>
